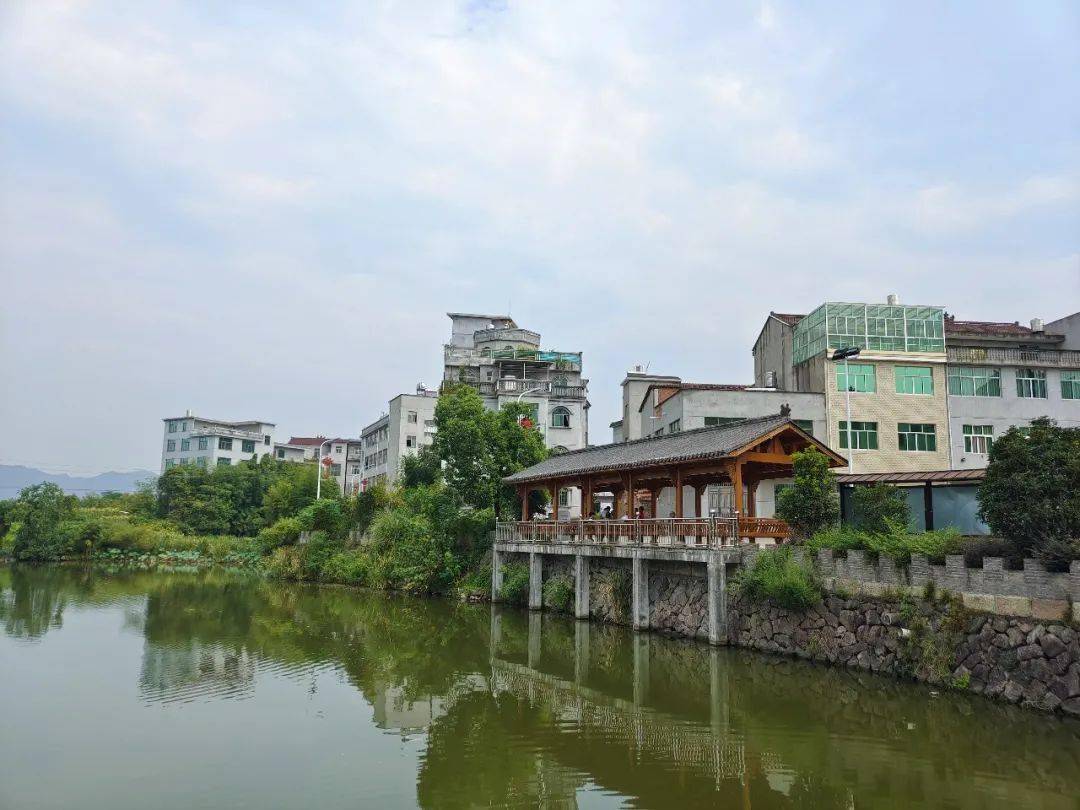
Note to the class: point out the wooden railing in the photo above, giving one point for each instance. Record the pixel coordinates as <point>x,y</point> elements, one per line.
<point>687,532</point>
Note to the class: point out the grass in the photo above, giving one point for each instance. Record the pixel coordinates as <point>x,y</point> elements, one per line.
<point>515,585</point>
<point>896,543</point>
<point>559,593</point>
<point>775,576</point>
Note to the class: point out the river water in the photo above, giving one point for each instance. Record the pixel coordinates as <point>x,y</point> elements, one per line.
<point>191,690</point>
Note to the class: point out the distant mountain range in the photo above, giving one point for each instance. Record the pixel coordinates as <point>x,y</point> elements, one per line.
<point>13,478</point>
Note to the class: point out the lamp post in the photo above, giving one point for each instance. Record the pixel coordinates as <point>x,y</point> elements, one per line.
<point>318,469</point>
<point>844,354</point>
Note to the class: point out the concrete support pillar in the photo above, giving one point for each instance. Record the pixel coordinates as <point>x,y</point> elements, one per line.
<point>581,586</point>
<point>641,669</point>
<point>535,620</point>
<point>496,574</point>
<point>639,607</point>
<point>581,652</point>
<point>496,633</point>
<point>718,629</point>
<point>536,581</point>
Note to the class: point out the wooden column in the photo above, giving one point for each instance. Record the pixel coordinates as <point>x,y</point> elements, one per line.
<point>698,490</point>
<point>553,489</point>
<point>523,493</point>
<point>751,499</point>
<point>586,498</point>
<point>652,503</point>
<point>736,486</point>
<point>677,483</point>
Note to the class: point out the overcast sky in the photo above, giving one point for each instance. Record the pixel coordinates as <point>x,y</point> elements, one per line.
<point>254,212</point>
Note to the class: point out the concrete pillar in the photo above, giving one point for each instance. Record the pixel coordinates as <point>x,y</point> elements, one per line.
<point>639,599</point>
<point>535,620</point>
<point>496,633</point>
<point>641,669</point>
<point>581,586</point>
<point>718,630</point>
<point>496,574</point>
<point>581,652</point>
<point>536,581</point>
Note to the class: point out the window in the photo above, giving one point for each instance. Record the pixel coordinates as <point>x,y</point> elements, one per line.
<point>247,446</point>
<point>223,462</point>
<point>335,470</point>
<point>170,446</point>
<point>203,443</point>
<point>410,441</point>
<point>411,417</point>
<point>201,461</point>
<point>675,426</point>
<point>564,497</point>
<point>281,452</point>
<point>560,417</point>
<point>863,435</point>
<point>974,381</point>
<point>717,421</point>
<point>172,427</point>
<point>337,449</point>
<point>185,445</point>
<point>169,462</point>
<point>914,380</point>
<point>355,469</point>
<point>1030,383</point>
<point>224,444</point>
<point>1070,385</point>
<point>658,432</point>
<point>266,440</point>
<point>916,437</point>
<point>859,377</point>
<point>978,439</point>
<point>806,425</point>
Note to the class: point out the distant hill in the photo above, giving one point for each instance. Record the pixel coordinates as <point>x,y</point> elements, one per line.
<point>14,478</point>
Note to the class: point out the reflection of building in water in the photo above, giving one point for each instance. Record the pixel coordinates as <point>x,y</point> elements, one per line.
<point>195,669</point>
<point>393,711</point>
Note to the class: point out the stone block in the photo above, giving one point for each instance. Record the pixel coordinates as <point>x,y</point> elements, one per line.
<point>873,588</point>
<point>1076,609</point>
<point>1012,605</point>
<point>979,601</point>
<point>1048,609</point>
<point>993,574</point>
<point>920,571</point>
<point>955,573</point>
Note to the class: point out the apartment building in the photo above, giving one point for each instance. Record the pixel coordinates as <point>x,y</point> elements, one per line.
<point>408,425</point>
<point>895,390</point>
<point>203,442</point>
<point>506,363</point>
<point>1002,375</point>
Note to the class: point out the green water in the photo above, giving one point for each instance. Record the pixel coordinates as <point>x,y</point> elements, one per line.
<point>161,691</point>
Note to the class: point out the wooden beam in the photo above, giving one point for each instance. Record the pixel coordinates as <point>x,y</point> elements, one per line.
<point>767,458</point>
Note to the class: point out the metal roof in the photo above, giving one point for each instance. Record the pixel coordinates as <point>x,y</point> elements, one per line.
<point>950,476</point>
<point>691,445</point>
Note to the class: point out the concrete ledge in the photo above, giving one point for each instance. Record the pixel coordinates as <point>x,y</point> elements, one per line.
<point>979,601</point>
<point>1049,609</point>
<point>1012,605</point>
<point>729,554</point>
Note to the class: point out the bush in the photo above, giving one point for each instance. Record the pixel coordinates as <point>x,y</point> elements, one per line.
<point>476,584</point>
<point>1031,492</point>
<point>895,542</point>
<point>40,511</point>
<point>515,584</point>
<point>873,507</point>
<point>812,502</point>
<point>283,533</point>
<point>409,555</point>
<point>349,567</point>
<point>776,576</point>
<point>325,515</point>
<point>559,593</point>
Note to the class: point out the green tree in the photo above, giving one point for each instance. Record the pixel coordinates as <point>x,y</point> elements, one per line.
<point>1031,492</point>
<point>422,469</point>
<point>41,509</point>
<point>875,506</point>
<point>812,502</point>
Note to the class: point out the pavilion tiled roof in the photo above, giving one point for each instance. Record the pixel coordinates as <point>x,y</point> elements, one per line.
<point>690,445</point>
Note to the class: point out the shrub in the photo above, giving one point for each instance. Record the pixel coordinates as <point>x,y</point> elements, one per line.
<point>1031,492</point>
<point>283,533</point>
<point>895,542</point>
<point>316,553</point>
<point>284,563</point>
<point>41,509</point>
<point>811,503</point>
<point>613,590</point>
<point>873,507</point>
<point>349,567</point>
<point>476,584</point>
<point>410,555</point>
<point>515,584</point>
<point>559,593</point>
<point>776,576</point>
<point>325,515</point>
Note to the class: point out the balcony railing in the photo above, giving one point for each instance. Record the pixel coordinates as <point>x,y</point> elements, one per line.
<point>975,355</point>
<point>514,386</point>
<point>458,355</point>
<point>711,532</point>
<point>227,432</point>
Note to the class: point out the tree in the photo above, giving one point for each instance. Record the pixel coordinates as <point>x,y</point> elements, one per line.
<point>812,502</point>
<point>875,506</point>
<point>40,510</point>
<point>1031,492</point>
<point>422,469</point>
<point>478,448</point>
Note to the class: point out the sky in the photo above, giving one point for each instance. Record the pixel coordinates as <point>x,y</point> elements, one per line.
<point>264,210</point>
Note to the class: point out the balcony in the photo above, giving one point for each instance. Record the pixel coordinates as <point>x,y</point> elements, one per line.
<point>458,356</point>
<point>511,386</point>
<point>227,432</point>
<point>1036,358</point>
<point>507,335</point>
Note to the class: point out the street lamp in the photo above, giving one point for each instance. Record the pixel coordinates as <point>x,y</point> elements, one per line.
<point>838,355</point>
<point>318,469</point>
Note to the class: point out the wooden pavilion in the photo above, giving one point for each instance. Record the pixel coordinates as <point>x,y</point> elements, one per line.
<point>739,454</point>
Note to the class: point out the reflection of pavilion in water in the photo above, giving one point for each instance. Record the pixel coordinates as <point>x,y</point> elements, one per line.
<point>195,669</point>
<point>698,743</point>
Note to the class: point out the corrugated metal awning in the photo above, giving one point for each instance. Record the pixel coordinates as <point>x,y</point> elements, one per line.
<point>935,476</point>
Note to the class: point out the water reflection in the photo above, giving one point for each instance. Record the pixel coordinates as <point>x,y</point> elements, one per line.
<point>516,708</point>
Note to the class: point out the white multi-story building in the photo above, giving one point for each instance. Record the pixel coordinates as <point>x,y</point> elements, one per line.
<point>505,363</point>
<point>191,439</point>
<point>408,425</point>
